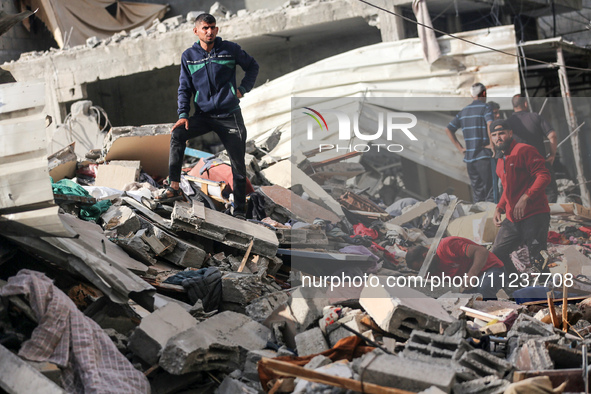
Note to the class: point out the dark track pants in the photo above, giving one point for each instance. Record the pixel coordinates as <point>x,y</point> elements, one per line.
<point>481,179</point>
<point>232,133</point>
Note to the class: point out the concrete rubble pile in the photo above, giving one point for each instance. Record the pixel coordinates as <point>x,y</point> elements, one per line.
<point>194,298</point>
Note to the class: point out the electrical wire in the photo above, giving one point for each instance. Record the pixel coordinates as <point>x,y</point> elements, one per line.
<point>472,42</point>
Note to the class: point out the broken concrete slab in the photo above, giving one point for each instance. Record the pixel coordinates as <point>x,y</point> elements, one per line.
<point>283,204</point>
<point>121,218</point>
<point>399,310</point>
<point>452,302</point>
<point>180,252</point>
<point>237,233</point>
<point>62,164</point>
<point>241,288</point>
<point>311,342</point>
<point>352,320</point>
<point>311,235</point>
<point>17,376</point>
<point>150,337</point>
<point>96,258</point>
<point>412,375</point>
<point>135,246</point>
<point>261,308</point>
<point>149,144</point>
<point>218,343</point>
<point>478,227</point>
<point>118,173</point>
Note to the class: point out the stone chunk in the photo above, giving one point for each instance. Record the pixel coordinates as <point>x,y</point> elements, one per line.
<point>261,308</point>
<point>401,373</point>
<point>399,310</point>
<point>251,364</point>
<point>317,362</point>
<point>311,342</point>
<point>241,288</point>
<point>487,385</point>
<point>233,386</point>
<point>218,343</point>
<point>155,330</point>
<point>192,15</point>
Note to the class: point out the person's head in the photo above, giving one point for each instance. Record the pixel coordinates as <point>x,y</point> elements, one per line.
<point>205,28</point>
<point>496,109</point>
<point>478,91</point>
<point>519,103</point>
<point>415,257</point>
<point>501,134</point>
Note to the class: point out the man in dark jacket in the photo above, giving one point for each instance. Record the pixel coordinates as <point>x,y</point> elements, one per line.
<point>208,76</point>
<point>524,177</point>
<point>530,128</point>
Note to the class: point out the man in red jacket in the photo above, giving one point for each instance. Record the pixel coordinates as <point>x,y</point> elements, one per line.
<point>457,256</point>
<point>524,176</point>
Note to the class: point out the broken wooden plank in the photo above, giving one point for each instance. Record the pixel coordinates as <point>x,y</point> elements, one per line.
<point>245,258</point>
<point>440,231</point>
<point>551,309</point>
<point>283,368</point>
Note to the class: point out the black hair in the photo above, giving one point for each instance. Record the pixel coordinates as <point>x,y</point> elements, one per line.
<point>494,105</point>
<point>518,101</point>
<point>414,254</point>
<point>207,18</point>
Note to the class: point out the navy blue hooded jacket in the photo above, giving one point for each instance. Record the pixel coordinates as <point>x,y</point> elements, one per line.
<point>211,78</point>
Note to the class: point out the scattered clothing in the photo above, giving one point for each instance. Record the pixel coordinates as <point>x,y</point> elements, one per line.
<point>89,360</point>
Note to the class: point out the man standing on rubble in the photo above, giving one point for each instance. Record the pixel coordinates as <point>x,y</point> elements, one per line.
<point>530,128</point>
<point>208,75</point>
<point>474,120</point>
<point>524,177</point>
<point>457,256</point>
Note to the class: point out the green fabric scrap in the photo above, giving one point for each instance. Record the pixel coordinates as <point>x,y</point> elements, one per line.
<point>90,213</point>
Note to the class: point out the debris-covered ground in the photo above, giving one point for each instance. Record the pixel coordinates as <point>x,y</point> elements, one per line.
<point>186,298</point>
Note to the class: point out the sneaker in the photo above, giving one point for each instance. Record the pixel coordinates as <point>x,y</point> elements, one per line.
<point>169,195</point>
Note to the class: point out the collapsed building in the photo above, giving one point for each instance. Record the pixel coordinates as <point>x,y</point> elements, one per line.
<point>195,299</point>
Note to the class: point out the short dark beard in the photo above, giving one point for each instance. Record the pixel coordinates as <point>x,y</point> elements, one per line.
<point>505,145</point>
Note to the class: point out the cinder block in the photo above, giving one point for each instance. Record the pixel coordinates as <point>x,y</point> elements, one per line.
<point>406,374</point>
<point>534,356</point>
<point>233,386</point>
<point>155,330</point>
<point>485,364</point>
<point>435,345</point>
<point>317,362</point>
<point>311,342</point>
<point>399,310</point>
